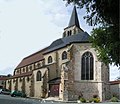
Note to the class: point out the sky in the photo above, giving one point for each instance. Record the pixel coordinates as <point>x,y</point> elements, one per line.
<point>26,26</point>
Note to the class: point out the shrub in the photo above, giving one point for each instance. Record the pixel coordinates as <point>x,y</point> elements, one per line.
<point>96,100</point>
<point>83,100</point>
<point>114,99</point>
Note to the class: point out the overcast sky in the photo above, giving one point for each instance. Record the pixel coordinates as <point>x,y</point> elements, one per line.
<point>27,26</point>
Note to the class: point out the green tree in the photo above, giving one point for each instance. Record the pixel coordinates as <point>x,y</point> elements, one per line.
<point>105,39</point>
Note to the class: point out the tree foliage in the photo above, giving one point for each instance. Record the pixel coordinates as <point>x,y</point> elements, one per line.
<point>105,39</point>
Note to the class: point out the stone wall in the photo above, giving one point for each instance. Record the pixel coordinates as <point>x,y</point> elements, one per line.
<point>38,85</point>
<point>115,90</point>
<point>87,89</point>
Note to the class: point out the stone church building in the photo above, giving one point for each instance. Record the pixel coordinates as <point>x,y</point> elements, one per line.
<point>66,69</point>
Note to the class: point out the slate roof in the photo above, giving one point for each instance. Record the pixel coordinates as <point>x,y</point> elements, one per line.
<point>82,37</point>
<point>74,19</point>
<point>55,81</point>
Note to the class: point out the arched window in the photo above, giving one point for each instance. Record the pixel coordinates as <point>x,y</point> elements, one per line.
<point>38,77</point>
<point>38,65</point>
<point>64,55</point>
<point>70,32</point>
<point>87,69</point>
<point>50,59</point>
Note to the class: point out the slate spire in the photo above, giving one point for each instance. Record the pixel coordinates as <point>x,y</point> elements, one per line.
<point>74,19</point>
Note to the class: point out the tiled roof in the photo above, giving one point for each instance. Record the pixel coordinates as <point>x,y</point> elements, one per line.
<point>21,75</point>
<point>3,78</point>
<point>32,58</point>
<point>81,37</point>
<point>114,82</point>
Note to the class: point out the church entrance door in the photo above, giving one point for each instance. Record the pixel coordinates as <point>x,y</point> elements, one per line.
<point>54,90</point>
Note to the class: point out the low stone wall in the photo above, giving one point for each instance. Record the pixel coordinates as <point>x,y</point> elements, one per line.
<point>86,89</point>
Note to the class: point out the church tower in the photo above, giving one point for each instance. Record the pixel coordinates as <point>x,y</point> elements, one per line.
<point>73,26</point>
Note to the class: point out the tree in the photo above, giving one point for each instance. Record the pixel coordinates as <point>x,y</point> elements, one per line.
<point>105,39</point>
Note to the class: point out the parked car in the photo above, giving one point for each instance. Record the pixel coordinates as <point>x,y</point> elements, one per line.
<point>18,93</point>
<point>5,91</point>
<point>0,91</point>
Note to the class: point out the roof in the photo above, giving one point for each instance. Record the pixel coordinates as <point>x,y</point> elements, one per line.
<point>21,75</point>
<point>74,19</point>
<point>114,82</point>
<point>55,81</point>
<point>81,37</point>
<point>3,78</point>
<point>32,58</point>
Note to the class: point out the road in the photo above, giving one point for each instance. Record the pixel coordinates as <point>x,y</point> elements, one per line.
<point>6,99</point>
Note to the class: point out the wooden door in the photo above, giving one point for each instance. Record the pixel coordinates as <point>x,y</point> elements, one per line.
<point>54,90</point>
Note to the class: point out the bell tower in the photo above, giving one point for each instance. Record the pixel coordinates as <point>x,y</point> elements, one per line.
<point>73,26</point>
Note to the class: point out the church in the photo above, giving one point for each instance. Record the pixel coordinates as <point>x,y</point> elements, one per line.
<point>67,68</point>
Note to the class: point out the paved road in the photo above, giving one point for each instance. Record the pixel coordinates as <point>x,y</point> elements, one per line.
<point>6,99</point>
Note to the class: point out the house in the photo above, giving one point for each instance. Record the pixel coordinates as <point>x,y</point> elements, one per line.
<point>115,88</point>
<point>67,68</point>
<point>2,81</point>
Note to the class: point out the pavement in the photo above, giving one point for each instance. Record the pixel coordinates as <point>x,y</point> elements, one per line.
<point>6,99</point>
<point>57,100</point>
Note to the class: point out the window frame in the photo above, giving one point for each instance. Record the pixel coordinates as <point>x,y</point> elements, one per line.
<point>39,76</point>
<point>64,55</point>
<point>50,60</point>
<point>87,66</point>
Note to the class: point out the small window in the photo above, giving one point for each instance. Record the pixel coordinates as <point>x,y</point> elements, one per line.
<point>30,67</point>
<point>26,69</point>
<point>20,80</point>
<point>70,33</point>
<point>28,79</point>
<point>38,65</point>
<point>50,59</point>
<point>64,55</point>
<point>23,69</point>
<point>38,77</point>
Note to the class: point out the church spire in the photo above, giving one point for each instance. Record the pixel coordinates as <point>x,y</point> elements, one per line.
<point>74,19</point>
<point>73,27</point>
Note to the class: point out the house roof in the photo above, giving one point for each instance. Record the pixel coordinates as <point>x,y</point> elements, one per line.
<point>3,78</point>
<point>114,82</point>
<point>74,19</point>
<point>37,56</point>
<point>20,75</point>
<point>81,37</point>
